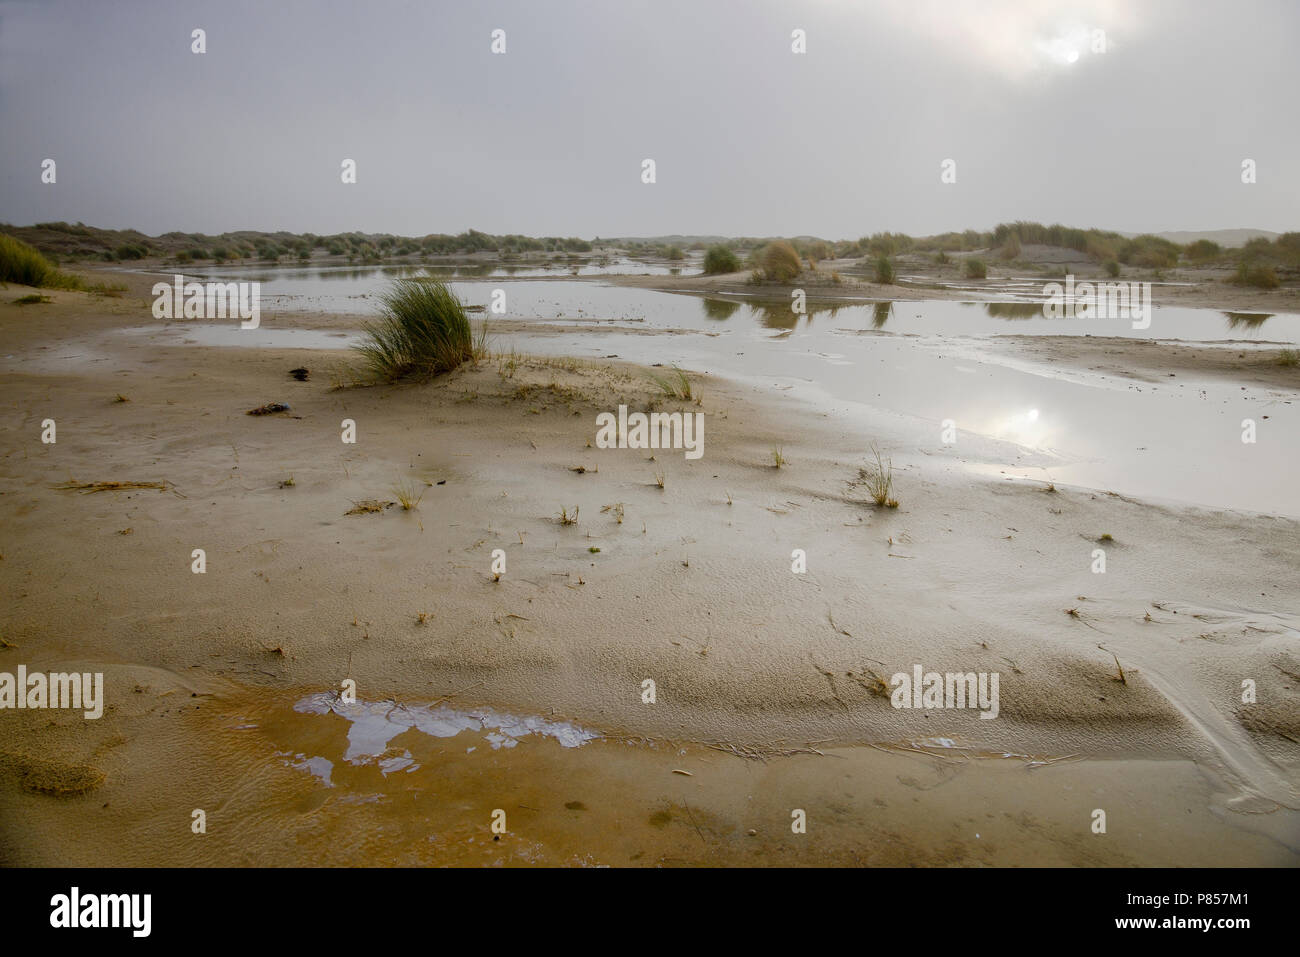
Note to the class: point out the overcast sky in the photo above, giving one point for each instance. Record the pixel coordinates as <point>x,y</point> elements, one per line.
<point>748,137</point>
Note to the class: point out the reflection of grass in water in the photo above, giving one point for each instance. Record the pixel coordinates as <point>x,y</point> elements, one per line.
<point>325,274</point>
<point>720,308</point>
<point>1013,310</point>
<point>775,316</point>
<point>880,314</point>
<point>1246,320</point>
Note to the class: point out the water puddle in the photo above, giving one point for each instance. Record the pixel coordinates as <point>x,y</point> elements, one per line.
<point>230,334</point>
<point>298,778</point>
<point>1023,287</point>
<point>373,725</point>
<point>917,364</point>
<point>422,785</point>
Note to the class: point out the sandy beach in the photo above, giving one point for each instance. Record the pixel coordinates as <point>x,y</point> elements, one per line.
<point>1120,691</point>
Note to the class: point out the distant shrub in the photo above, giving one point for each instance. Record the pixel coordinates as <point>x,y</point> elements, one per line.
<point>975,269</point>
<point>819,250</point>
<point>884,270</point>
<point>674,253</point>
<point>130,251</point>
<point>1102,248</point>
<point>1112,267</point>
<point>887,244</point>
<point>1011,248</point>
<point>1262,277</point>
<point>780,262</point>
<point>1149,252</point>
<point>1202,250</point>
<point>720,259</point>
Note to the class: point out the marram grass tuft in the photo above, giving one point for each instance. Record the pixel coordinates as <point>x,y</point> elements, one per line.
<point>423,330</point>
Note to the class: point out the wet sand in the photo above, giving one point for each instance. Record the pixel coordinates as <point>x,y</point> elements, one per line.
<point>693,589</point>
<point>277,789</point>
<point>1158,361</point>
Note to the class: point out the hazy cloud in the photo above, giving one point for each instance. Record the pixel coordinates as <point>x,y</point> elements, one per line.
<point>749,138</point>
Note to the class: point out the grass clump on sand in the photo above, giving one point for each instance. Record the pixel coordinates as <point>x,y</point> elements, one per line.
<point>880,480</point>
<point>423,330</point>
<point>720,259</point>
<point>24,265</point>
<point>1261,277</point>
<point>675,386</point>
<point>408,495</point>
<point>975,269</point>
<point>1289,358</point>
<point>884,271</point>
<point>780,262</point>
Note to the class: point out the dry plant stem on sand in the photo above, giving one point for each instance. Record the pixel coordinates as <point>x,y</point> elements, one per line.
<point>162,486</point>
